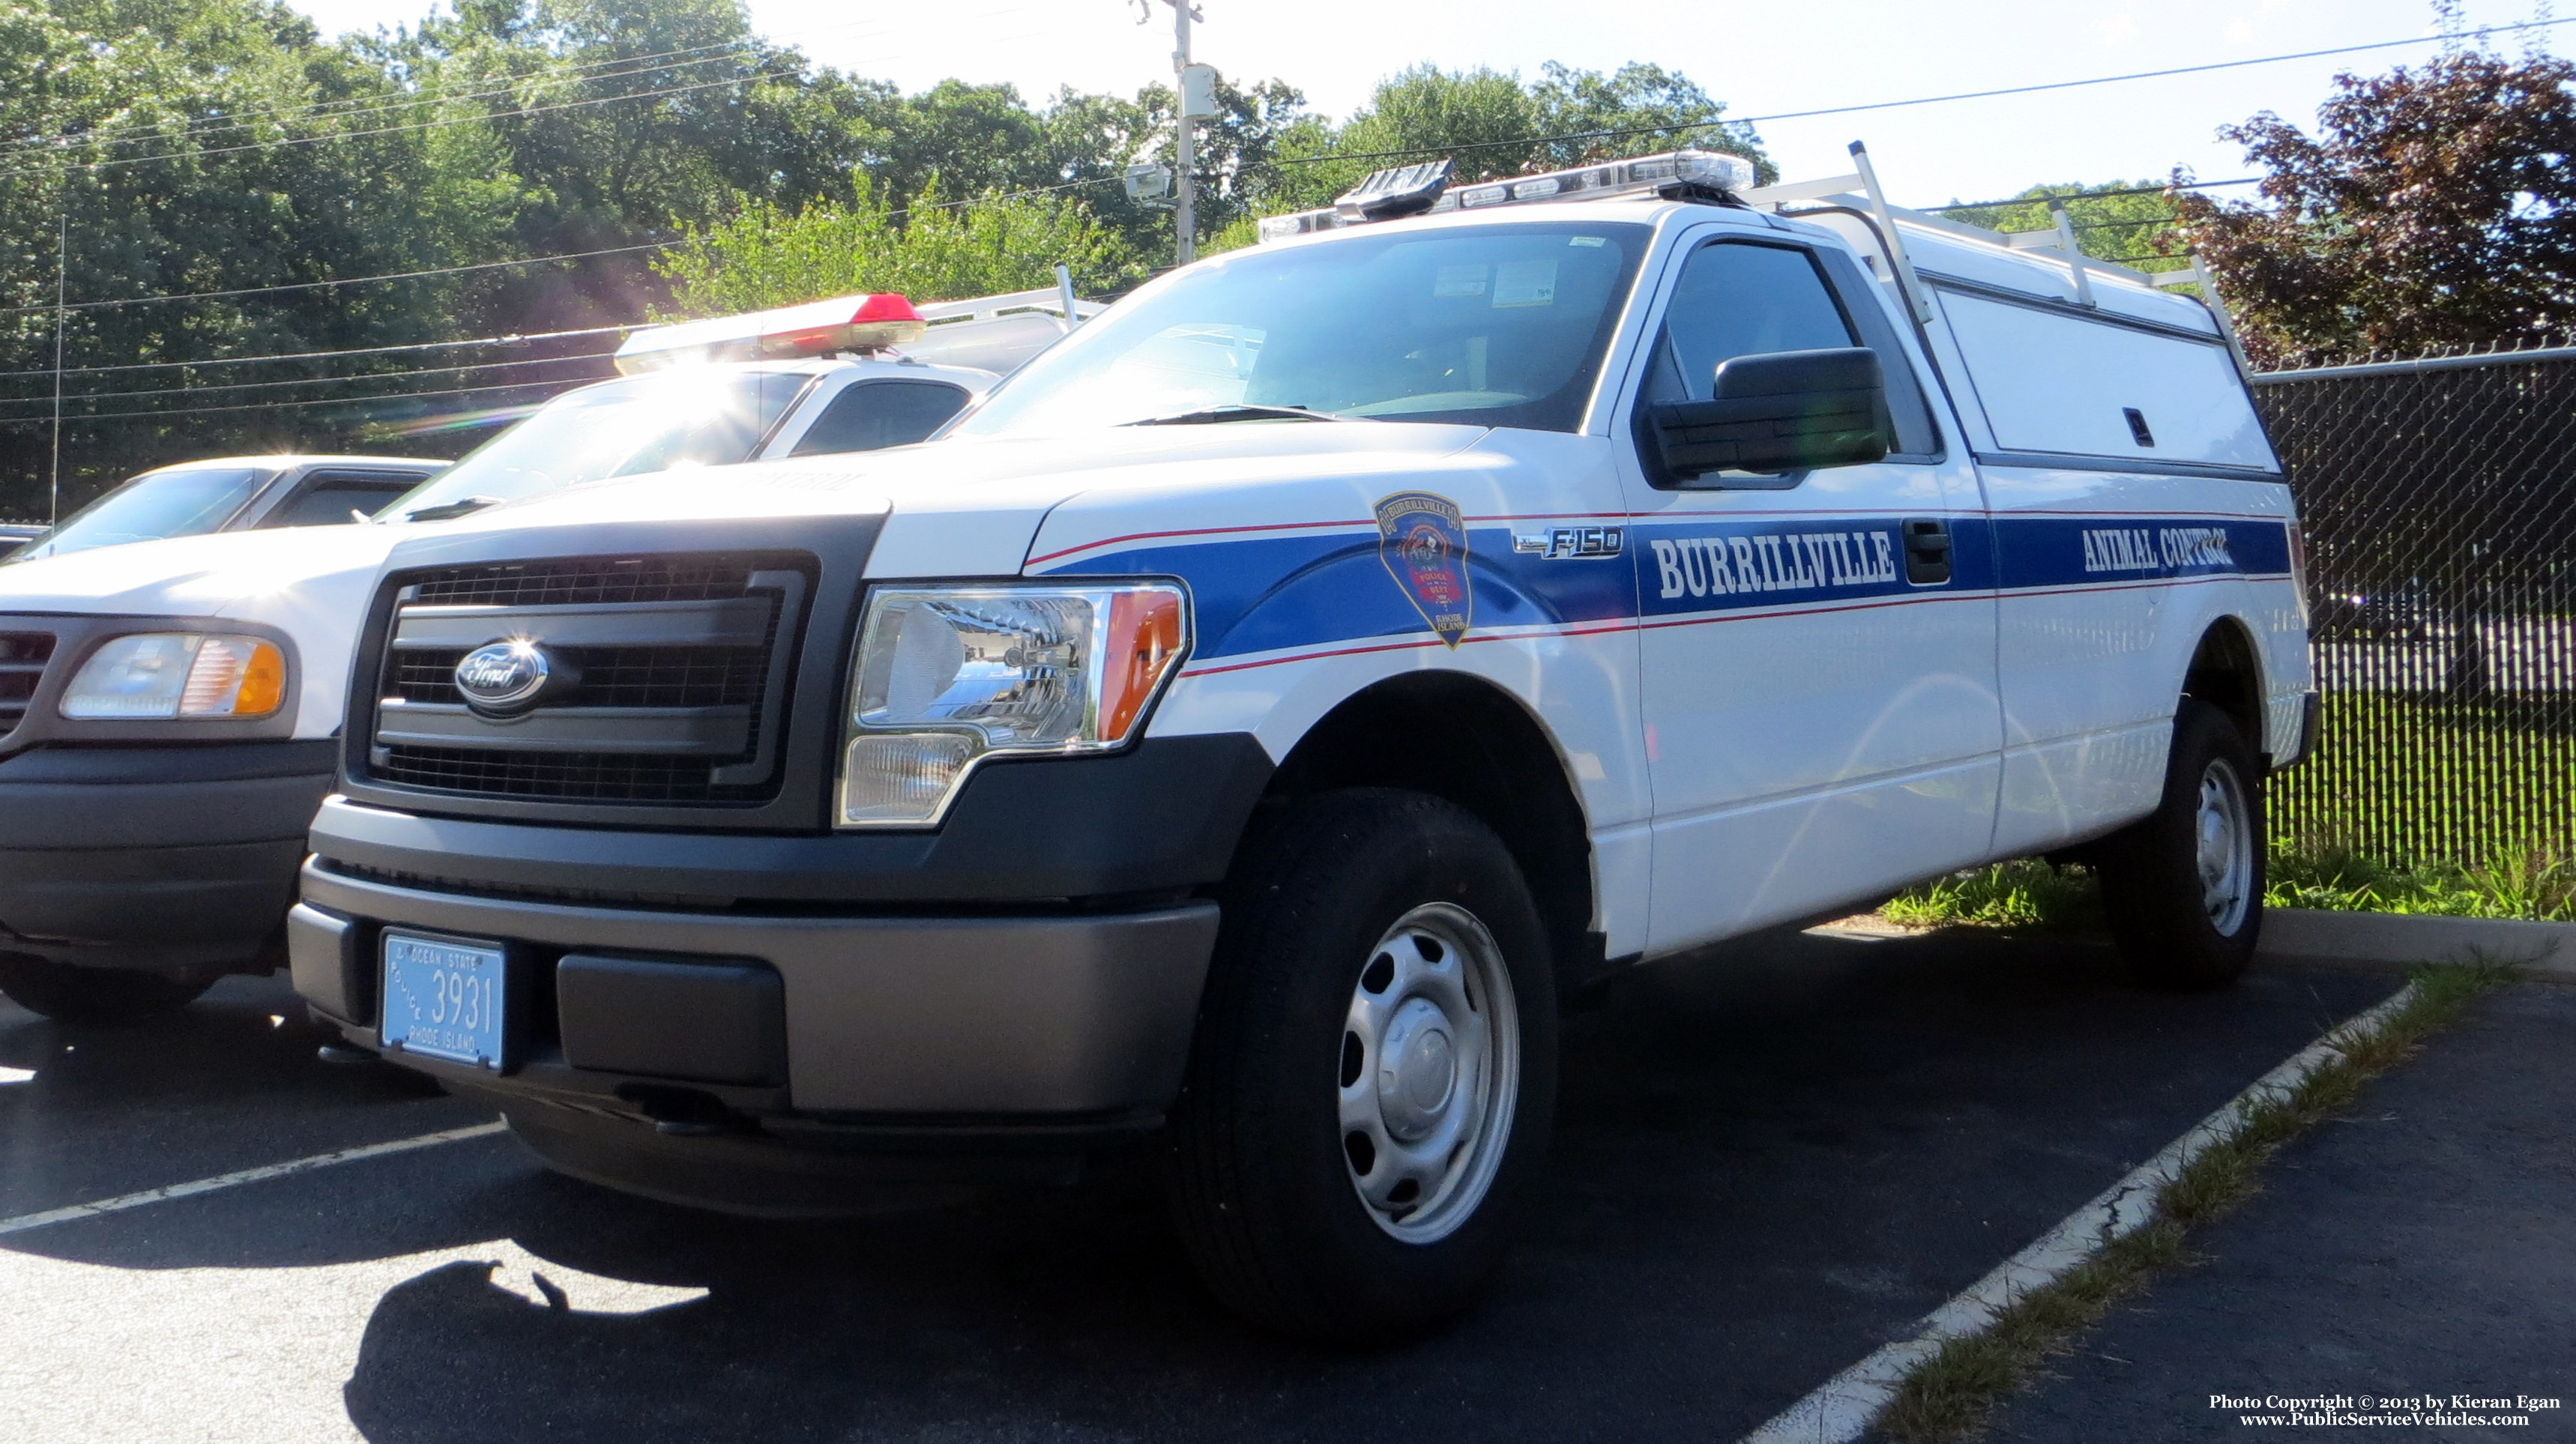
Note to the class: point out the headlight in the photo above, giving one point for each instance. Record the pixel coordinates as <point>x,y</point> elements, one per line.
<point>178,674</point>
<point>948,675</point>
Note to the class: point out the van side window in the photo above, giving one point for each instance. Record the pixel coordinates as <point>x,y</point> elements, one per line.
<point>1737,299</point>
<point>872,414</point>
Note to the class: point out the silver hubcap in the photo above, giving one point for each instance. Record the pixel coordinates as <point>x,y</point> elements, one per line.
<point>1430,1068</point>
<point>2223,848</point>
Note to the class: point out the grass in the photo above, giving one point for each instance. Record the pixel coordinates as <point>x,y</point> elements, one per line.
<point>2029,895</point>
<point>1951,1394</point>
<point>2024,895</point>
<point>2532,883</point>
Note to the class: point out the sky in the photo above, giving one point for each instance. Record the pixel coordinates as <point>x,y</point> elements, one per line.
<point>1760,59</point>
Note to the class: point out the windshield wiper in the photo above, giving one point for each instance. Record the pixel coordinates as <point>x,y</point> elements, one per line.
<point>1210,416</point>
<point>450,510</point>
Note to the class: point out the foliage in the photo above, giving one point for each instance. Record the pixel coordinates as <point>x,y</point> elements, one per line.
<point>193,146</point>
<point>2129,222</point>
<point>1494,124</point>
<point>2024,894</point>
<point>2431,210</point>
<point>764,256</point>
<point>2529,883</point>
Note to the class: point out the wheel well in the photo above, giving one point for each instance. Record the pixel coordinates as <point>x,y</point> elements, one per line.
<point>1469,742</point>
<point>2226,674</point>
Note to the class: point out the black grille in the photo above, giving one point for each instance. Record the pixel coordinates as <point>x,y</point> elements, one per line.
<point>568,776</point>
<point>611,581</point>
<point>646,675</point>
<point>612,676</point>
<point>22,665</point>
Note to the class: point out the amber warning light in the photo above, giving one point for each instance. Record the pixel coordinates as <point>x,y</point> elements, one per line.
<point>817,328</point>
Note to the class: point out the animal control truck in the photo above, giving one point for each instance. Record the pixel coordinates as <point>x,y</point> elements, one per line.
<point>1255,716</point>
<point>170,709</point>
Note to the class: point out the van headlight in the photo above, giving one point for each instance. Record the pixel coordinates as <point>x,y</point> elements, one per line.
<point>948,675</point>
<point>191,675</point>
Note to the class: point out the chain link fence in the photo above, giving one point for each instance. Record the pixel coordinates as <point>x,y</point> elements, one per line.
<point>2439,499</point>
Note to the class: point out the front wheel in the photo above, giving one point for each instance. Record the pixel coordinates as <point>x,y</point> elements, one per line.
<point>68,993</point>
<point>2183,889</point>
<point>1373,1077</point>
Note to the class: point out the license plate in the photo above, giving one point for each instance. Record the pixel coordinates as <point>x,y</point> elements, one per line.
<point>443,999</point>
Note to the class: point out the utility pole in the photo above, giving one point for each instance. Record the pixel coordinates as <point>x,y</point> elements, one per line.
<point>1185,216</point>
<point>62,285</point>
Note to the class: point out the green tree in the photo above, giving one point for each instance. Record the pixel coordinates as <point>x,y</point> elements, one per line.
<point>931,250</point>
<point>1495,124</point>
<point>2436,207</point>
<point>2129,222</point>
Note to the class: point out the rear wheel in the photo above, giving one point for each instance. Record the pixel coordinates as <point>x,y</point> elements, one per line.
<point>2184,888</point>
<point>69,993</point>
<point>1373,1077</point>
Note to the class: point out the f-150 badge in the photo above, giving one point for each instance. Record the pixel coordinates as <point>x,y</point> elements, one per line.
<point>1423,542</point>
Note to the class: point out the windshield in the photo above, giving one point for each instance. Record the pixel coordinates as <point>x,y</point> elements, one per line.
<point>183,501</point>
<point>659,422</point>
<point>1500,325</point>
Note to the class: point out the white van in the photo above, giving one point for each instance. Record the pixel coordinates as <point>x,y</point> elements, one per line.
<point>1252,718</point>
<point>138,863</point>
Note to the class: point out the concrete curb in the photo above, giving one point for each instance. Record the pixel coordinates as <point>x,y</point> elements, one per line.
<point>2308,935</point>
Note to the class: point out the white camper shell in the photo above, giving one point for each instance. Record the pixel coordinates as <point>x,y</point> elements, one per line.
<point>1254,716</point>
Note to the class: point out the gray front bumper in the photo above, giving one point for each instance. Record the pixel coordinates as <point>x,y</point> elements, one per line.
<point>156,857</point>
<point>933,1019</point>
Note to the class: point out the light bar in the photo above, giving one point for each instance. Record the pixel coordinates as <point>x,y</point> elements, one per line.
<point>1680,174</point>
<point>844,323</point>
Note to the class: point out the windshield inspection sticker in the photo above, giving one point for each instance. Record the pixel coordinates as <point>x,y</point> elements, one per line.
<point>1423,541</point>
<point>1459,281</point>
<point>1525,283</point>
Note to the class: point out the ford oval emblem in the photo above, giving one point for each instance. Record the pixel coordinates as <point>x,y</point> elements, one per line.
<point>504,675</point>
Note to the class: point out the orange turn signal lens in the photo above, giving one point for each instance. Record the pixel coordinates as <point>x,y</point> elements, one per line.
<point>238,677</point>
<point>1143,646</point>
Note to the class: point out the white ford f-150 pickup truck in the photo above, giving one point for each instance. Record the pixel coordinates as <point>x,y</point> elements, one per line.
<point>1253,717</point>
<point>169,709</point>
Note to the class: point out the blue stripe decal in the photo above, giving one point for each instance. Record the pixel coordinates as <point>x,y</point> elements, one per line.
<point>1303,590</point>
<point>2059,551</point>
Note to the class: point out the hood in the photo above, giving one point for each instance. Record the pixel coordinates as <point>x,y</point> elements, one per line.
<point>970,506</point>
<point>311,583</point>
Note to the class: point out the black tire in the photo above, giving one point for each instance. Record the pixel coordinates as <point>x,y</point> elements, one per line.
<point>1266,1191</point>
<point>2176,927</point>
<point>68,993</point>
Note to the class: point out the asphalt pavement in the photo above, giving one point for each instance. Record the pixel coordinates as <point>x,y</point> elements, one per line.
<point>2413,1257</point>
<point>1771,1158</point>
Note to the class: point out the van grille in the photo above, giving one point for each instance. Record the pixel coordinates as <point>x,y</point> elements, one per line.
<point>22,665</point>
<point>679,661</point>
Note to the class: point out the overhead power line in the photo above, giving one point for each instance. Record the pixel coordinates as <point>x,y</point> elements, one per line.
<point>318,380</point>
<point>1719,122</point>
<point>2251,180</point>
<point>344,280</point>
<point>66,163</point>
<point>658,93</point>
<point>509,340</point>
<point>282,405</point>
<point>343,109</point>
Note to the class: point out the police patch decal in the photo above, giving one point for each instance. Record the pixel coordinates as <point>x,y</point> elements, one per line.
<point>1423,541</point>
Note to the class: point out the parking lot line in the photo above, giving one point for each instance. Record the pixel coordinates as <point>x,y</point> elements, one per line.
<point>123,1201</point>
<point>1842,1408</point>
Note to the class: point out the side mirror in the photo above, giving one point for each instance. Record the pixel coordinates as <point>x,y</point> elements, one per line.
<point>1783,411</point>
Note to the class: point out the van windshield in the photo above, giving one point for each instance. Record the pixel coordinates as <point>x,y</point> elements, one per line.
<point>1497,325</point>
<point>660,422</point>
<point>181,501</point>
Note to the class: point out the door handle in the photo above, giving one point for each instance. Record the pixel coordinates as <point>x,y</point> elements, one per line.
<point>1927,552</point>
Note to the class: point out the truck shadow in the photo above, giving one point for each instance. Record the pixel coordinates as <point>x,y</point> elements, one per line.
<point>1767,1163</point>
